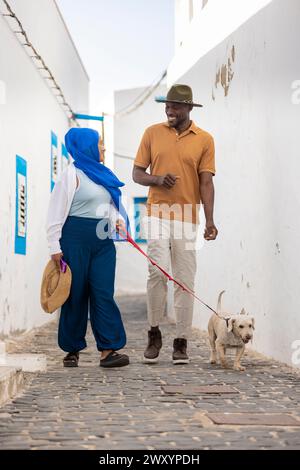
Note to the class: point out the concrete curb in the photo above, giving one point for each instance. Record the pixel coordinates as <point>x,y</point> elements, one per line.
<point>11,383</point>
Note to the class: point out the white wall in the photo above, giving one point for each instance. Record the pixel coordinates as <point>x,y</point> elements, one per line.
<point>128,131</point>
<point>256,130</point>
<point>27,115</point>
<point>185,13</point>
<point>49,34</point>
<point>207,28</point>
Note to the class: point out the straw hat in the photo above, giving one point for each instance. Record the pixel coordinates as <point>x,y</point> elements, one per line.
<point>56,285</point>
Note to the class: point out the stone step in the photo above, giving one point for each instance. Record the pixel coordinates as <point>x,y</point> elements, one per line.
<point>27,362</point>
<point>11,383</point>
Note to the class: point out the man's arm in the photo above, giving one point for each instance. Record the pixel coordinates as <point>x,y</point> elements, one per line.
<point>207,192</point>
<point>140,176</point>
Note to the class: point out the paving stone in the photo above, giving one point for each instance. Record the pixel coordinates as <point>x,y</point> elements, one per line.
<point>190,389</point>
<point>262,419</point>
<point>132,408</point>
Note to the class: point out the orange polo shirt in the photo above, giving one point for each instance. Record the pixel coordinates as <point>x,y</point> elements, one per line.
<point>185,155</point>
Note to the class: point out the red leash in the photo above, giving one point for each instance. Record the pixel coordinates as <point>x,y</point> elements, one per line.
<point>183,287</point>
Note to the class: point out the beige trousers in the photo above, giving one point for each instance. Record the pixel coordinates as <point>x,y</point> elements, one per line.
<point>171,242</point>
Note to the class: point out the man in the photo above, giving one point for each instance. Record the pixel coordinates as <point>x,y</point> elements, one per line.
<point>181,160</point>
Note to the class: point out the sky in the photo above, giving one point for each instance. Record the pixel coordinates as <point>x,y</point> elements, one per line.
<point>122,43</point>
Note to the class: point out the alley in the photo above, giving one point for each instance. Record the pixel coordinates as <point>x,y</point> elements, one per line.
<point>135,408</point>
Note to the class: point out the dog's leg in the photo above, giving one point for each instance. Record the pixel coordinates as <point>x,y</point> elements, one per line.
<point>212,341</point>
<point>221,351</point>
<point>238,356</point>
<point>213,352</point>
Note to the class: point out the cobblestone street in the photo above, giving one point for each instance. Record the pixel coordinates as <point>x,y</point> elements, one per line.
<point>132,408</point>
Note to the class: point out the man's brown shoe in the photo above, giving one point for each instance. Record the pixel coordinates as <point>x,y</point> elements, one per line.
<point>154,345</point>
<point>179,351</point>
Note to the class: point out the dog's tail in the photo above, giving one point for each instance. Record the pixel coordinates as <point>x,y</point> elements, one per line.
<point>219,301</point>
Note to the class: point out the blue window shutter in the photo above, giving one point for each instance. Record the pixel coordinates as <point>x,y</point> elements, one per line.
<point>139,212</point>
<point>21,206</point>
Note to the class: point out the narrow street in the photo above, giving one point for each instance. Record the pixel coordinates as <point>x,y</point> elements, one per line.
<point>151,407</point>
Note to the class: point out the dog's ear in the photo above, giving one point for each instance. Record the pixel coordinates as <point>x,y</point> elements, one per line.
<point>243,312</point>
<point>252,319</point>
<point>230,325</point>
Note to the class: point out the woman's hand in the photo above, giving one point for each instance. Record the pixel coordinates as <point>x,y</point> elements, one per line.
<point>121,228</point>
<point>56,258</point>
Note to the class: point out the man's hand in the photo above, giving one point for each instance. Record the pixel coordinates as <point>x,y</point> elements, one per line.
<point>140,176</point>
<point>121,228</point>
<point>167,181</point>
<point>56,258</point>
<point>211,232</point>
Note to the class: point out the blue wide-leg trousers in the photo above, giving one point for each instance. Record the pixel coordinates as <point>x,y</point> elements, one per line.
<point>92,261</point>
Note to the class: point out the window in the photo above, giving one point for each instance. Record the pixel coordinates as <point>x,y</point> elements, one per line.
<point>139,213</point>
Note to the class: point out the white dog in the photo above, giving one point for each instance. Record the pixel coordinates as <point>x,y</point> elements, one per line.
<point>229,331</point>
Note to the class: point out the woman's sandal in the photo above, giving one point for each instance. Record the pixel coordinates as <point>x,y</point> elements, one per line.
<point>114,359</point>
<point>71,359</point>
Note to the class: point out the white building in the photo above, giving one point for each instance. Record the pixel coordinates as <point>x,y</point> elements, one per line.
<point>32,128</point>
<point>241,59</point>
<point>129,127</point>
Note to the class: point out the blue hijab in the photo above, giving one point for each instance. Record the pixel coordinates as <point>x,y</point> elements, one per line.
<point>82,144</point>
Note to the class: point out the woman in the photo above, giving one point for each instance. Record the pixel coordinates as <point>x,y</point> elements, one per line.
<point>83,205</point>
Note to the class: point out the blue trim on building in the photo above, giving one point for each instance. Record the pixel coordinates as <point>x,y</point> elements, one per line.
<point>88,117</point>
<point>21,207</point>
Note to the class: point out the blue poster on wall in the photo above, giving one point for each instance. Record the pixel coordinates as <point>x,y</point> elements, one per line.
<point>54,161</point>
<point>64,157</point>
<point>21,206</point>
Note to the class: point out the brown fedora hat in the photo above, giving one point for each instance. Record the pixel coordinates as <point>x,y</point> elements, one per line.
<point>56,285</point>
<point>179,94</point>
